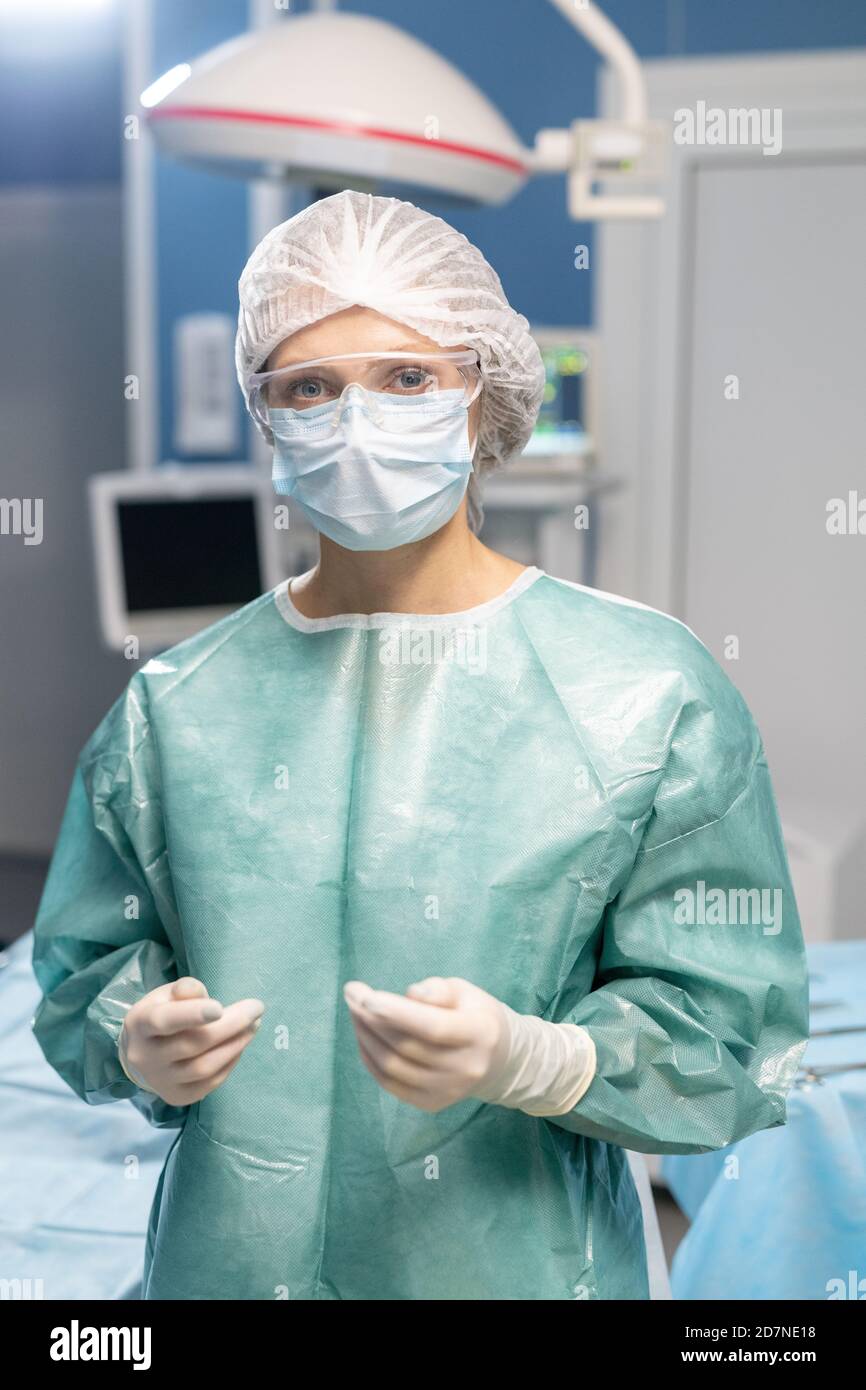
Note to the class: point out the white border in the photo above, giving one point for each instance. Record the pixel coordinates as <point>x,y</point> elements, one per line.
<point>368,621</point>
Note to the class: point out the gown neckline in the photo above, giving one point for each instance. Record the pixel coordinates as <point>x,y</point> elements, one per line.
<point>296,619</point>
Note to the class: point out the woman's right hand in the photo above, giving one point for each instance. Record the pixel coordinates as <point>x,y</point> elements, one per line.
<point>180,1044</point>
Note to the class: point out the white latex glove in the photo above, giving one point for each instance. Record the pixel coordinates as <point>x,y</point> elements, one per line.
<point>446,1040</point>
<point>180,1044</point>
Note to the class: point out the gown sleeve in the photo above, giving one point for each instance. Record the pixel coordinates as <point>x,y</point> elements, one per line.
<point>99,940</point>
<point>699,1010</point>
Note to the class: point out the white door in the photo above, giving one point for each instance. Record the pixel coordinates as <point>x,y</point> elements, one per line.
<point>779,303</point>
<point>735,403</point>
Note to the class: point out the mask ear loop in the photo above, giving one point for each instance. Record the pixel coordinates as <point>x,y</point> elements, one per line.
<point>474,505</point>
<point>476,393</point>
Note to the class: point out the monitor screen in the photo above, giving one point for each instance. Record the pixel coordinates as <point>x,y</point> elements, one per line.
<point>196,553</point>
<point>561,426</point>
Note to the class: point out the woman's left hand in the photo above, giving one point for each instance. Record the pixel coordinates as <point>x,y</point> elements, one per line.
<point>432,1047</point>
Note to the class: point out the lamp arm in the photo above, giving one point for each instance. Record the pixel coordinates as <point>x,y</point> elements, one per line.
<point>604,36</point>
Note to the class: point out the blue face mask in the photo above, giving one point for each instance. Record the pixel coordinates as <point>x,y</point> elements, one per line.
<point>386,471</point>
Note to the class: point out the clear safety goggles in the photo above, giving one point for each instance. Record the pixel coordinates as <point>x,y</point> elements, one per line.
<point>436,381</point>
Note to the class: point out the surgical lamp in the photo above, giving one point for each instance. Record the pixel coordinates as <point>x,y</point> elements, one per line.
<point>329,98</point>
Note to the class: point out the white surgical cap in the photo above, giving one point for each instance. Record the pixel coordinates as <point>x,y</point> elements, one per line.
<point>388,255</point>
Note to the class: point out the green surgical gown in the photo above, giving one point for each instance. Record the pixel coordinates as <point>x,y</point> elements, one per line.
<point>557,795</point>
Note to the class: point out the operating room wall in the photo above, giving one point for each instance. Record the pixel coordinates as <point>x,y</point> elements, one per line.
<point>61,399</point>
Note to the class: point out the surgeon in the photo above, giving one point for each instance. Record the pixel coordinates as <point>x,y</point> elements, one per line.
<point>420,889</point>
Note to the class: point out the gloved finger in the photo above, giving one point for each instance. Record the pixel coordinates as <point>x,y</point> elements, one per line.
<point>453,1031</point>
<point>390,1063</point>
<point>172,1018</point>
<point>162,1020</point>
<point>188,987</point>
<point>207,1064</point>
<point>188,1094</point>
<point>237,1018</point>
<point>442,1026</point>
<point>435,990</point>
<point>413,1049</point>
<point>411,1095</point>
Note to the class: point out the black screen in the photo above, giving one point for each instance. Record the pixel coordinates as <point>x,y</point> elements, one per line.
<point>200,553</point>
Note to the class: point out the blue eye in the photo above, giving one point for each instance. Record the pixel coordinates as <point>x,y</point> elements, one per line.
<point>410,379</point>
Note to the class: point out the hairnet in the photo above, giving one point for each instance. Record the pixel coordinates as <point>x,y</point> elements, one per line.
<point>388,255</point>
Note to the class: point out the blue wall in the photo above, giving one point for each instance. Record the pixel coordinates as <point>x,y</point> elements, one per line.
<point>61,82</point>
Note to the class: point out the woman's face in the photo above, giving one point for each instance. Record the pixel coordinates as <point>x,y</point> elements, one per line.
<point>357,330</point>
